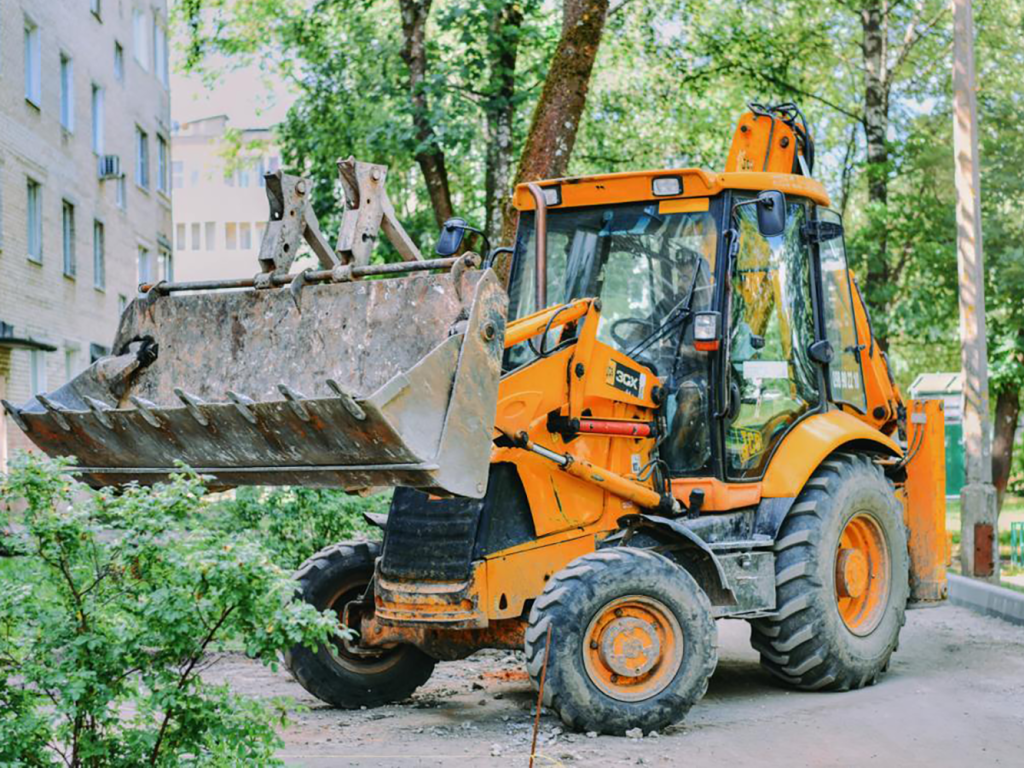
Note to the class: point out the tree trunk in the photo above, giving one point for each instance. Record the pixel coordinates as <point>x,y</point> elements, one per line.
<point>500,110</point>
<point>1007,416</point>
<point>557,116</point>
<point>428,153</point>
<point>876,125</point>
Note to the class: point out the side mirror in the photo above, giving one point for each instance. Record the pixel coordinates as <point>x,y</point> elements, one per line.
<point>450,239</point>
<point>771,213</point>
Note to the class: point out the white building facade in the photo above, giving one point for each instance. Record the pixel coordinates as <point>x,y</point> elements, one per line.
<point>220,202</point>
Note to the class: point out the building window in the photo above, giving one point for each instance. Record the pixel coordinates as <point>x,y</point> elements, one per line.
<point>68,230</point>
<point>35,221</point>
<point>99,257</point>
<point>67,93</point>
<point>145,266</point>
<point>97,351</point>
<point>141,158</point>
<point>231,236</point>
<point>122,303</point>
<point>260,228</point>
<point>245,235</point>
<point>97,119</point>
<point>243,176</point>
<point>69,363</point>
<point>261,171</point>
<point>166,265</point>
<point>275,164</point>
<point>33,65</point>
<point>193,178</point>
<point>94,6</point>
<point>121,193</point>
<point>177,174</point>
<point>140,38</point>
<point>118,62</point>
<point>160,53</point>
<point>195,236</point>
<point>211,236</point>
<point>179,237</point>
<point>37,371</point>
<point>161,164</point>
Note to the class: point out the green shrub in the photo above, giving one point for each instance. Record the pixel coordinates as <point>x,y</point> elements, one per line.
<point>108,608</point>
<point>296,522</point>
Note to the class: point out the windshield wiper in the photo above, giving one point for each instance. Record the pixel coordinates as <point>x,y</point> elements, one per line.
<point>677,318</point>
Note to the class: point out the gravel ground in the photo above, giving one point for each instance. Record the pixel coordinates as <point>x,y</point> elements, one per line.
<point>954,695</point>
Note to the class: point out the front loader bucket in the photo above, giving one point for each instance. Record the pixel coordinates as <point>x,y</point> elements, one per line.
<point>349,385</point>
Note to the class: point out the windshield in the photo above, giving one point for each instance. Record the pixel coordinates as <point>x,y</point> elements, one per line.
<point>641,259</point>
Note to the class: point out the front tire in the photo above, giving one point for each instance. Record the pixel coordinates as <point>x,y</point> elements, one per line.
<point>337,674</point>
<point>842,581</point>
<point>633,642</point>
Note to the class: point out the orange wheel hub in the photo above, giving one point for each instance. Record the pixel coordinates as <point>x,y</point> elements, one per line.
<point>863,574</point>
<point>634,647</point>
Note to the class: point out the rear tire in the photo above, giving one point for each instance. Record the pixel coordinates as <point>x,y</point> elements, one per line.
<point>633,642</point>
<point>332,577</point>
<point>842,581</point>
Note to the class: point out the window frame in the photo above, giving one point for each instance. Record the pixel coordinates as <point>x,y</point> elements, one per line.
<point>99,255</point>
<point>34,219</point>
<point>96,101</point>
<point>67,92</point>
<point>142,179</point>
<point>68,237</point>
<point>32,42</point>
<point>163,156</point>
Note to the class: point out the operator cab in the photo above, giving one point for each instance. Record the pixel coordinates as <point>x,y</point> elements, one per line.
<point>658,262</point>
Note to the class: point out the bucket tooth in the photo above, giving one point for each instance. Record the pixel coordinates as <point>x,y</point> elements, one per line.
<point>244,405</point>
<point>55,410</point>
<point>192,403</point>
<point>99,410</point>
<point>146,408</point>
<point>347,400</point>
<point>15,413</point>
<point>294,400</point>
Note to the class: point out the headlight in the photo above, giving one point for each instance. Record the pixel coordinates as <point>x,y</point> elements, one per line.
<point>705,331</point>
<point>552,195</point>
<point>667,185</point>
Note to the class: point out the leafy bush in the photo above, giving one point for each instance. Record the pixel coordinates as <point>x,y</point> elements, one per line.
<point>108,609</point>
<point>296,522</point>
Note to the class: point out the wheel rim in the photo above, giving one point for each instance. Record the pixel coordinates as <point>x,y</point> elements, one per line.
<point>862,574</point>
<point>348,653</point>
<point>633,648</point>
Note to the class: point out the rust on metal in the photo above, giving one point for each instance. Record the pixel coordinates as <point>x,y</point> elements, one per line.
<point>444,644</point>
<point>984,566</point>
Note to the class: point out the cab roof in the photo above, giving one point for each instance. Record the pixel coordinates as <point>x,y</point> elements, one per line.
<point>637,186</point>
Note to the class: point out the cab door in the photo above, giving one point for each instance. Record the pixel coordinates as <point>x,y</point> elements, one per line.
<point>845,380</point>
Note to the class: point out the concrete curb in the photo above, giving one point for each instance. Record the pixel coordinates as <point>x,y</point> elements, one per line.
<point>987,599</point>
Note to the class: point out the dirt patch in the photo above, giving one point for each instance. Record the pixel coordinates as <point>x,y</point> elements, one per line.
<point>954,695</point>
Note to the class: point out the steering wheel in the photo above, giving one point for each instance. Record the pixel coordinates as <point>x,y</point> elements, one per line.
<point>643,327</point>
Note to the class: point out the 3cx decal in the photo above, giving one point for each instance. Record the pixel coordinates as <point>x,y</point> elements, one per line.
<point>626,379</point>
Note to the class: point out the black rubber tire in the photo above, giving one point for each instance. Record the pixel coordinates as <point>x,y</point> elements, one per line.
<point>341,680</point>
<point>807,645</point>
<point>573,597</point>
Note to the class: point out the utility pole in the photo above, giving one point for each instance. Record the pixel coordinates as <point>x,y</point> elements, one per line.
<point>979,542</point>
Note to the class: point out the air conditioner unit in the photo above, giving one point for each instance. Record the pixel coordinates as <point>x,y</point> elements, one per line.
<point>110,167</point>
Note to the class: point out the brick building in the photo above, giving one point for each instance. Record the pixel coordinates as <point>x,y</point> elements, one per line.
<point>85,207</point>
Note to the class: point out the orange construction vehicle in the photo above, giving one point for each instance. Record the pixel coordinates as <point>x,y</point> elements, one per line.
<point>673,411</point>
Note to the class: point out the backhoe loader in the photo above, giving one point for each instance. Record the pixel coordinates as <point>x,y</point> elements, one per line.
<point>672,410</point>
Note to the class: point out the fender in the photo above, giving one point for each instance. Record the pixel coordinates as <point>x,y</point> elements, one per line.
<point>810,442</point>
<point>705,567</point>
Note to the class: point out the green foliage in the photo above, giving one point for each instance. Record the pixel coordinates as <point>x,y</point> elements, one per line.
<point>107,615</point>
<point>293,523</point>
